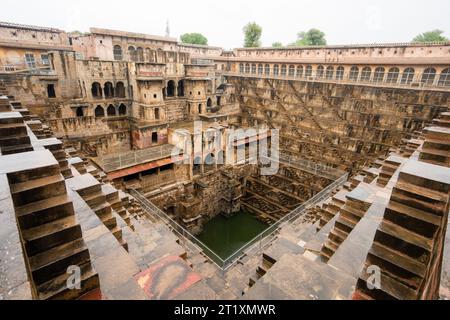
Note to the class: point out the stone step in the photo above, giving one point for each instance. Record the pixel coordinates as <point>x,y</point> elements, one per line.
<point>52,234</point>
<point>54,262</point>
<point>426,216</point>
<point>56,288</point>
<point>390,288</point>
<point>398,259</point>
<point>423,192</point>
<point>37,189</point>
<point>16,149</point>
<point>405,235</point>
<point>44,211</point>
<point>10,118</point>
<point>6,141</point>
<point>95,199</point>
<point>12,129</point>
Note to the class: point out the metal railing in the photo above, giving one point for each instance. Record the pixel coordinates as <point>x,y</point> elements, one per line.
<point>256,244</point>
<point>345,79</point>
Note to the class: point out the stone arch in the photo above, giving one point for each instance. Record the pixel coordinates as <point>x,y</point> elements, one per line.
<point>117,51</point>
<point>122,110</point>
<point>209,103</point>
<point>120,90</point>
<point>428,75</point>
<point>444,78</point>
<point>393,74</point>
<point>111,111</point>
<point>408,75</point>
<point>181,88</point>
<point>96,90</point>
<point>132,53</point>
<point>354,73</point>
<point>99,111</point>
<point>171,88</point>
<point>108,90</point>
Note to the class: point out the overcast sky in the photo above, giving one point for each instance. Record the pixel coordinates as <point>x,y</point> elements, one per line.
<point>343,21</point>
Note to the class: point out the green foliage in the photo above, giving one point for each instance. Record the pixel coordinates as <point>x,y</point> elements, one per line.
<point>277,45</point>
<point>430,36</point>
<point>312,37</point>
<point>194,38</point>
<point>252,33</point>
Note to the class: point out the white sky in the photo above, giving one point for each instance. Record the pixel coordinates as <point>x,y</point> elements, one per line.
<point>221,21</point>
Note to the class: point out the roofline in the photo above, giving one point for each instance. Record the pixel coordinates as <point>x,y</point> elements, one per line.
<point>351,46</point>
<point>28,27</point>
<point>120,33</point>
<point>181,44</point>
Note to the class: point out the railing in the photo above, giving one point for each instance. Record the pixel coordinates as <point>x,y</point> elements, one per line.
<point>136,157</point>
<point>257,243</point>
<point>313,167</point>
<point>442,85</point>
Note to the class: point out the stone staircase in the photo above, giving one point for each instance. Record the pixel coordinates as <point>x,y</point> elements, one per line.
<point>408,244</point>
<point>388,169</point>
<point>13,131</point>
<point>96,196</point>
<point>436,148</point>
<point>51,236</point>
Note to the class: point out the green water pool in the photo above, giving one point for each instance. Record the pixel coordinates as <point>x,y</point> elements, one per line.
<point>226,235</point>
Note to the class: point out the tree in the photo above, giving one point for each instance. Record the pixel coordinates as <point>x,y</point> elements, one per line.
<point>431,36</point>
<point>252,33</point>
<point>194,38</point>
<point>312,37</point>
<point>277,45</point>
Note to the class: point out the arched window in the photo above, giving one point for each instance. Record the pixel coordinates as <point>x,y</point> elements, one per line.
<point>200,108</point>
<point>140,54</point>
<point>122,110</point>
<point>408,76</point>
<point>428,75</point>
<point>253,68</point>
<point>299,71</point>
<point>319,72</point>
<point>120,90</point>
<point>291,71</point>
<point>111,111</point>
<point>156,111</point>
<point>117,52</point>
<point>267,69</point>
<point>392,76</point>
<point>181,88</point>
<point>109,90</point>
<point>132,53</point>
<point>247,68</point>
<point>444,79</point>
<point>96,90</point>
<point>148,54</point>
<point>283,70</point>
<point>330,72</point>
<point>276,70</point>
<point>209,103</point>
<point>260,69</point>
<point>354,73</point>
<point>80,112</point>
<point>308,71</point>
<point>366,74</point>
<point>241,68</point>
<point>378,75</point>
<point>340,73</point>
<point>171,88</point>
<point>99,112</point>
